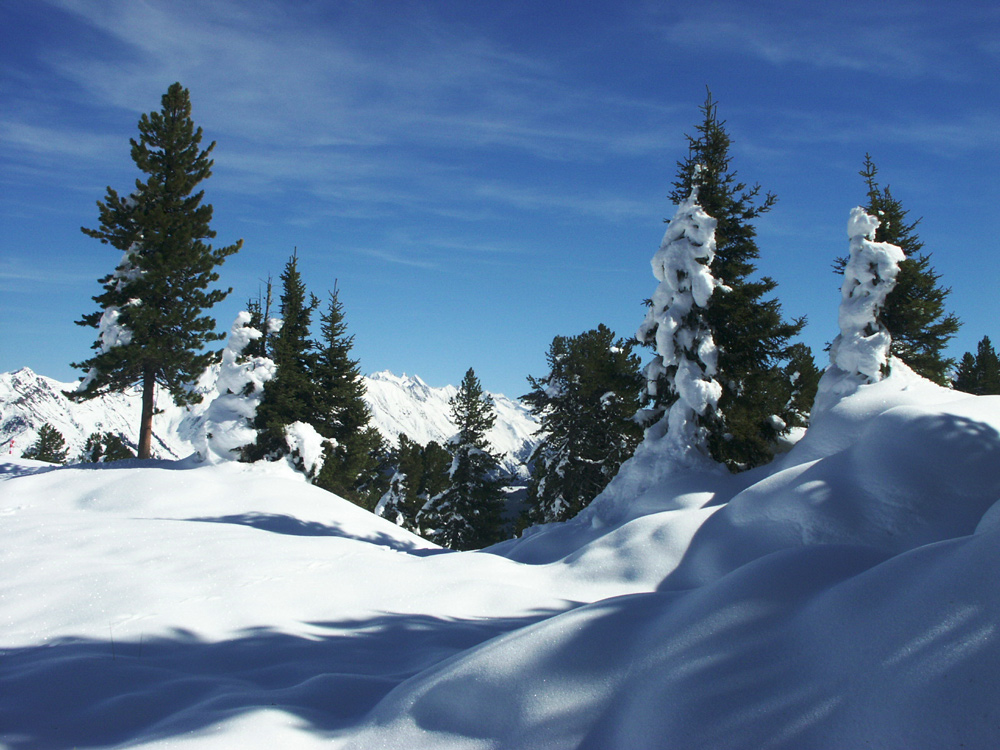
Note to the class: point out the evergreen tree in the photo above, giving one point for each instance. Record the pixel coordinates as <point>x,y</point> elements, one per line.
<point>290,396</point>
<point>468,513</point>
<point>585,406</point>
<point>104,447</point>
<point>436,462</point>
<point>914,313</point>
<point>50,446</point>
<point>802,377</point>
<point>402,501</point>
<point>352,462</point>
<point>151,317</point>
<point>260,320</point>
<point>979,373</point>
<point>748,330</point>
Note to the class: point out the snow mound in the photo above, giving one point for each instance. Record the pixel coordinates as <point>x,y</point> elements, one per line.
<point>842,597</point>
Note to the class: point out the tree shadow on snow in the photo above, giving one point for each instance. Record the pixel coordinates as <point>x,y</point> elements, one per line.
<point>87,693</point>
<point>277,523</point>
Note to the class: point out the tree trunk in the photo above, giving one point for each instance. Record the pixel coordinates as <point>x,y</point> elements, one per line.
<point>146,421</point>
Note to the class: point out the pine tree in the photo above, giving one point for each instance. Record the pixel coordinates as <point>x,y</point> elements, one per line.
<point>802,377</point>
<point>747,328</point>
<point>260,320</point>
<point>585,406</point>
<point>351,465</point>
<point>914,313</point>
<point>151,315</point>
<point>290,396</point>
<point>402,501</point>
<point>468,513</point>
<point>104,447</point>
<point>50,446</point>
<point>979,373</point>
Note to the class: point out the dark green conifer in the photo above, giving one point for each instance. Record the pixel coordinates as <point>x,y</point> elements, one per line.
<point>290,396</point>
<point>104,447</point>
<point>468,513</point>
<point>402,501</point>
<point>351,467</point>
<point>49,446</point>
<point>802,377</point>
<point>260,317</point>
<point>585,406</point>
<point>151,314</point>
<point>979,373</point>
<point>747,327</point>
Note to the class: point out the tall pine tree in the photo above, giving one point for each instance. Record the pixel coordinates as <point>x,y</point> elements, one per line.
<point>352,464</point>
<point>585,406</point>
<point>747,327</point>
<point>468,514</point>
<point>152,319</point>
<point>914,312</point>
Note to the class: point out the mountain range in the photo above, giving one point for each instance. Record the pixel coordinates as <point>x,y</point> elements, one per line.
<point>399,404</point>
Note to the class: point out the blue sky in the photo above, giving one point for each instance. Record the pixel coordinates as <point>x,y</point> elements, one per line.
<point>478,178</point>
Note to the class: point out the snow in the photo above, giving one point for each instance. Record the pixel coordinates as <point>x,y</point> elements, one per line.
<point>842,597</point>
<point>862,348</point>
<point>684,347</point>
<point>306,447</point>
<point>238,390</point>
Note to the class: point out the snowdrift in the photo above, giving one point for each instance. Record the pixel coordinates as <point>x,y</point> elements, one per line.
<point>842,597</point>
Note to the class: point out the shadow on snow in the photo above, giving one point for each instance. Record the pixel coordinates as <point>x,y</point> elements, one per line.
<point>80,693</point>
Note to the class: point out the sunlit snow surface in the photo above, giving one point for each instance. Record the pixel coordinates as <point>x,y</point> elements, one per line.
<point>844,597</point>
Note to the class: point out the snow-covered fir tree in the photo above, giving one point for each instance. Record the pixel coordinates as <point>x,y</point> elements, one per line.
<point>468,514</point>
<point>227,428</point>
<point>749,336</point>
<point>862,347</point>
<point>586,406</point>
<point>681,379</point>
<point>151,318</point>
<point>914,312</point>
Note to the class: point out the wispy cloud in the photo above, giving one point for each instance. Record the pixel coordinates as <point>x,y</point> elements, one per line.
<point>395,258</point>
<point>899,39</point>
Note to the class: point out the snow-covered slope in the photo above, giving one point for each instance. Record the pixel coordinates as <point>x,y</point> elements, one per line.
<point>843,597</point>
<point>399,405</point>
